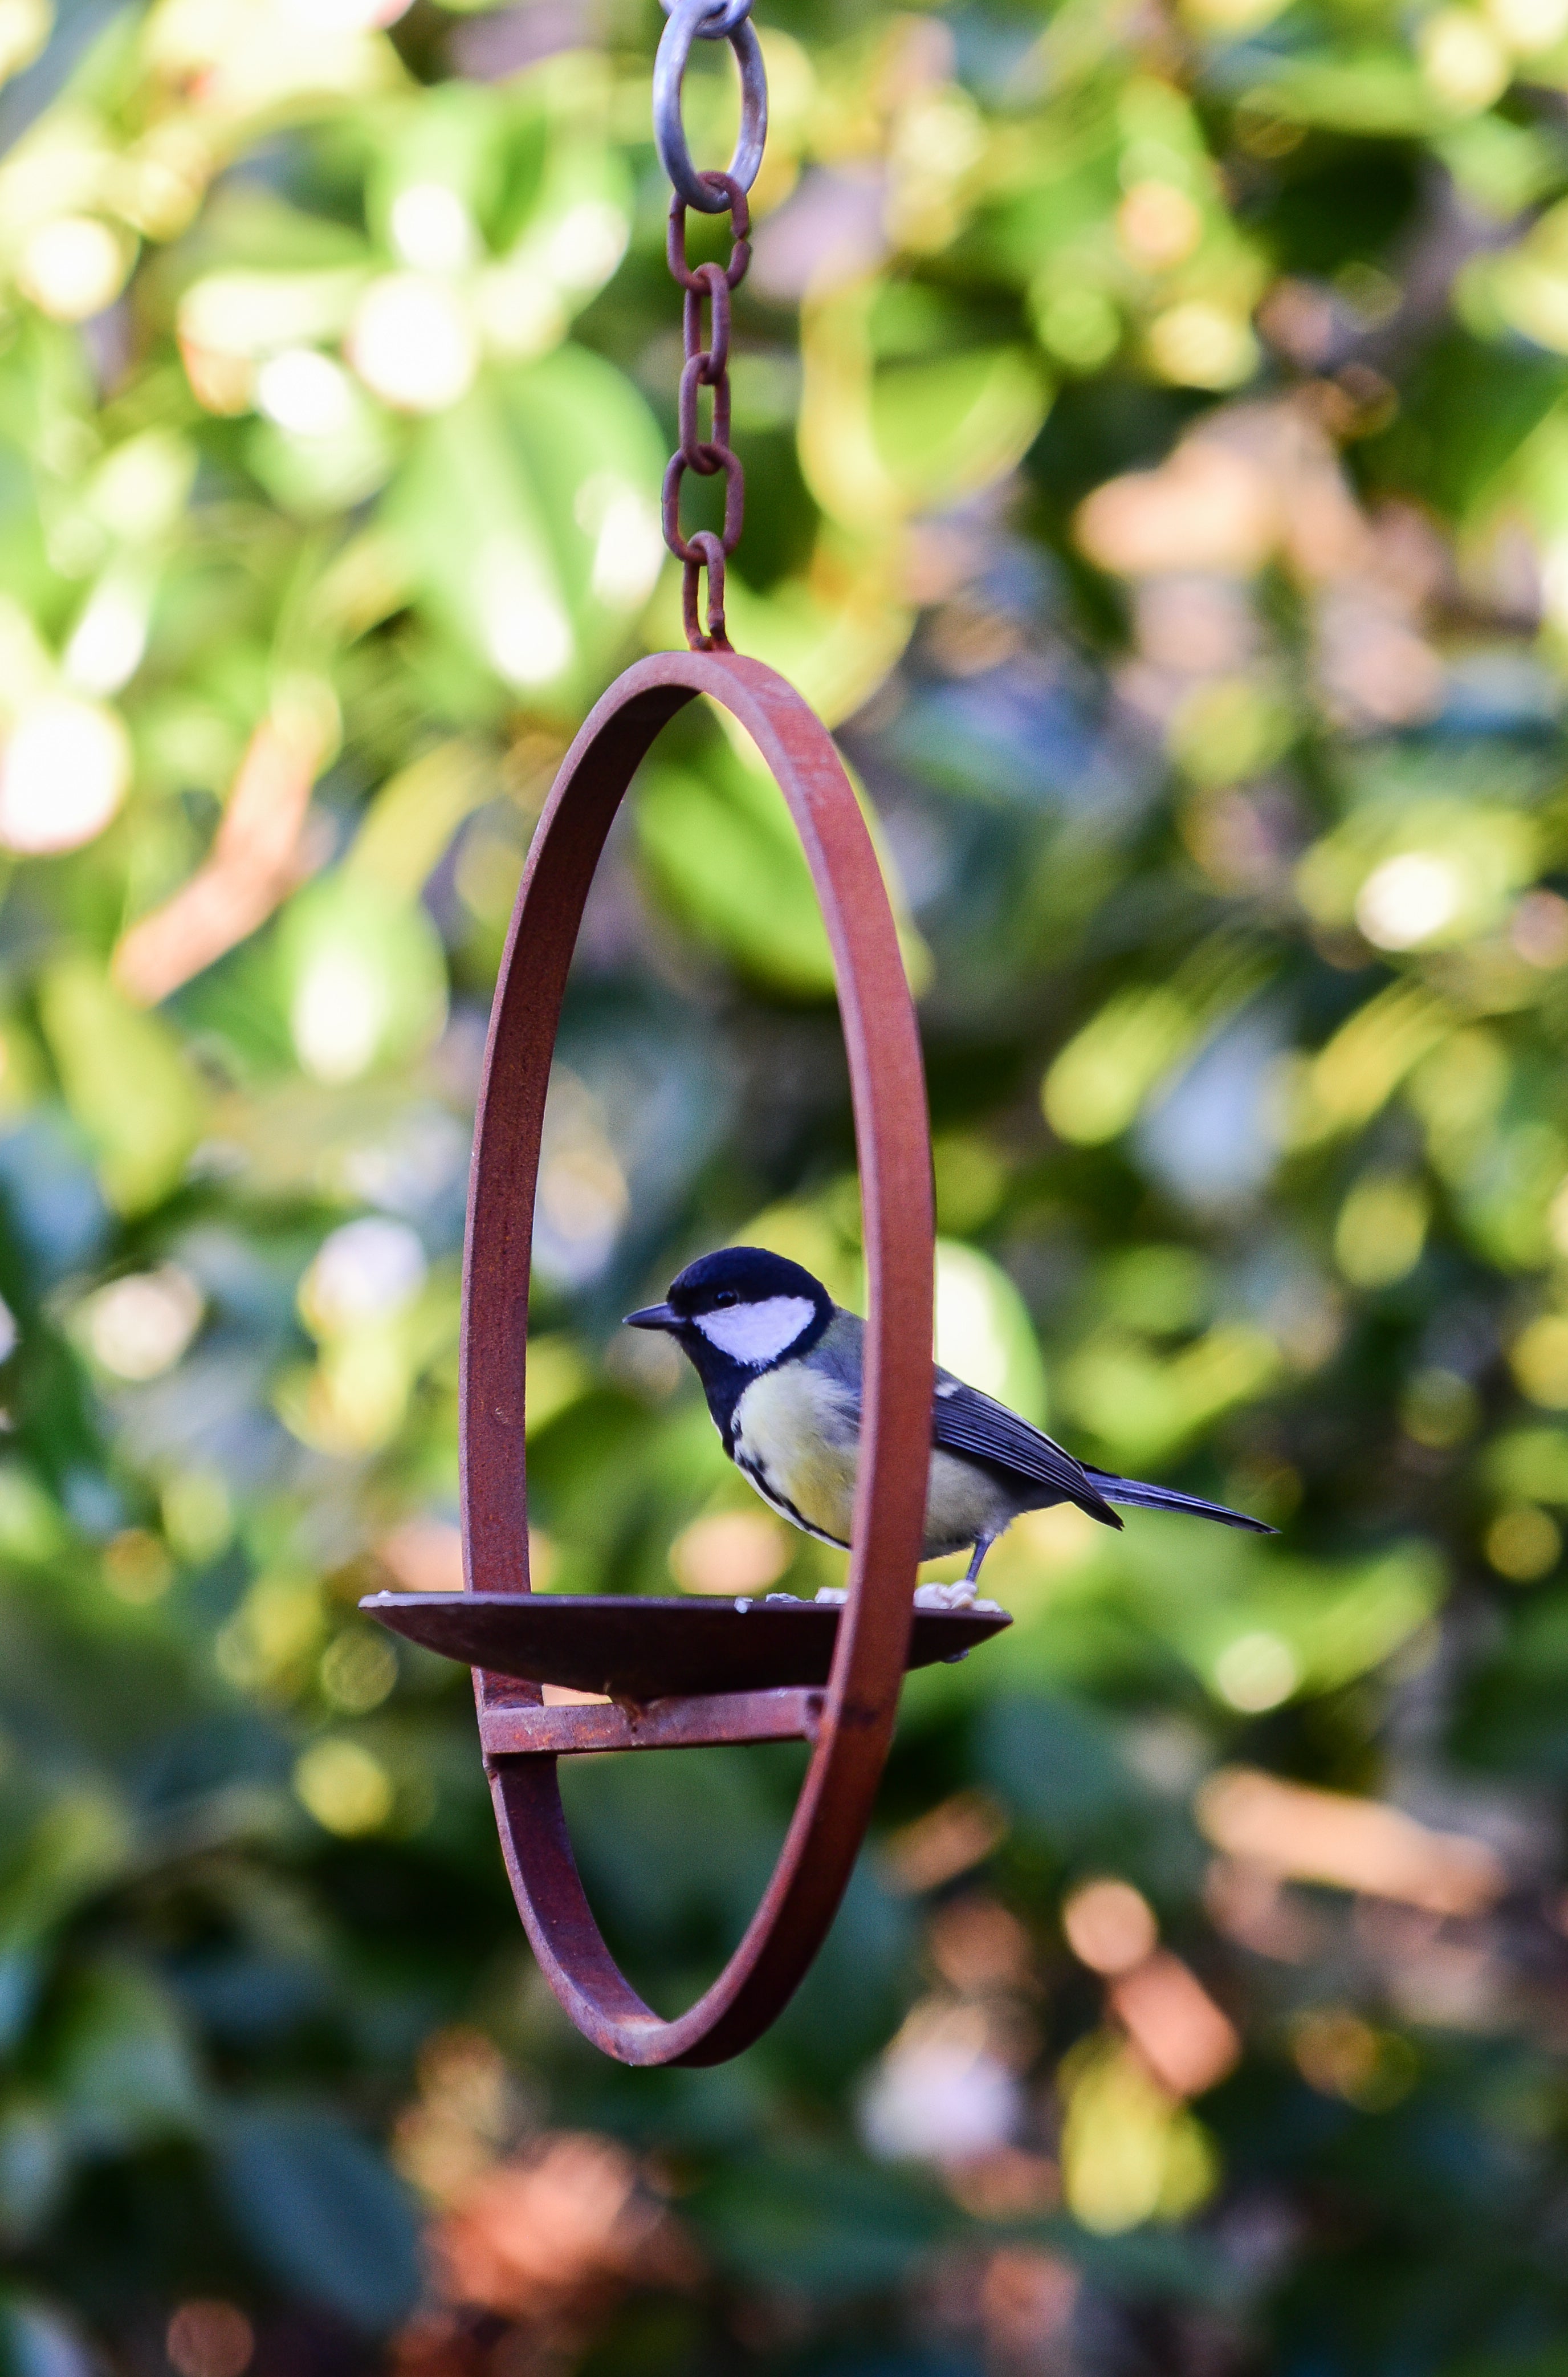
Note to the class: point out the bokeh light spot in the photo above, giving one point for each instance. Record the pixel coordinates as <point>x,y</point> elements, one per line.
<point>210,2338</point>
<point>1463,60</point>
<point>1340,2054</point>
<point>1198,345</point>
<point>1109,1926</point>
<point>1080,326</point>
<point>139,1326</point>
<point>359,1669</point>
<point>1382,1229</point>
<point>1130,2152</point>
<point>65,767</point>
<point>1528,26</point>
<point>1524,1545</point>
<point>109,639</point>
<point>1256,1671</point>
<point>1157,225</point>
<point>414,342</point>
<point>344,1787</point>
<point>198,1516</point>
<point>939,2095</point>
<point>1539,1357</point>
<point>432,229</point>
<point>367,1270</point>
<point>732,1552</point>
<point>304,392</point>
<point>1407,900</point>
<point>1440,1408</point>
<point>73,267</point>
<point>137,1569</point>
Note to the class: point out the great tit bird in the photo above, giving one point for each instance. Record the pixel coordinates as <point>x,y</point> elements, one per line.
<point>780,1362</point>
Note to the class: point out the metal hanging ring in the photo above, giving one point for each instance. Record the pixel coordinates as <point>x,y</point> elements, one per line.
<point>699,20</point>
<point>852,1726</point>
<point>721,19</point>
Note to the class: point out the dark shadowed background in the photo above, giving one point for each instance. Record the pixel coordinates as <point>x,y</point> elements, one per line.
<point>1156,426</point>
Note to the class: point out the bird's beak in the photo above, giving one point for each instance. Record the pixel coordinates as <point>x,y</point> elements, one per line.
<point>653,1316</point>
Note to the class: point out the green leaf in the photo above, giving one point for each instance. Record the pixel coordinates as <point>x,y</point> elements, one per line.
<point>317,475</point>
<point>121,2062</point>
<point>1336,1619</point>
<point>948,427</point>
<point>363,973</point>
<point>528,518</point>
<point>726,861</point>
<point>323,2212</point>
<point>823,2224</point>
<point>81,1841</point>
<point>877,446</point>
<point>984,1332</point>
<point>125,1080</point>
<point>1058,1762</point>
<point>1378,91</point>
<point>724,855</point>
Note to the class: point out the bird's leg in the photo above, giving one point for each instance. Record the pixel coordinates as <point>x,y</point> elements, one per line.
<point>962,1595</point>
<point>955,1596</point>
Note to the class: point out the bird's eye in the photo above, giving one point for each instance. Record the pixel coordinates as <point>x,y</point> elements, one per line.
<point>725,1295</point>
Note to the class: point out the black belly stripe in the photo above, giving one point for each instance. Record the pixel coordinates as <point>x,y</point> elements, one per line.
<point>782,1503</point>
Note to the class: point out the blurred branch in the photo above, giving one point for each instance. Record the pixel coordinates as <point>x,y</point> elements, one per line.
<point>1353,1844</point>
<point>255,863</point>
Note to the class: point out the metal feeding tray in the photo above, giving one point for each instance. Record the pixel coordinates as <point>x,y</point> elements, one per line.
<point>637,1647</point>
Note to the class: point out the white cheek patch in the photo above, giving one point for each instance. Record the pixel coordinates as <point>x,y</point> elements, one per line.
<point>755,1334</point>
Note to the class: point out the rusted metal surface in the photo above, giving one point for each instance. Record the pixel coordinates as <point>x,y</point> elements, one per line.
<point>646,1648</point>
<point>712,1720</point>
<point>861,1697</point>
<point>706,366</point>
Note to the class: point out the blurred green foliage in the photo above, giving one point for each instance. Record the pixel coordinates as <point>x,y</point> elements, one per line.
<point>1156,428</point>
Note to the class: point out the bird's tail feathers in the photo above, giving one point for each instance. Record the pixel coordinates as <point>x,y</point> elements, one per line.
<point>1093,1498</point>
<point>1138,1495</point>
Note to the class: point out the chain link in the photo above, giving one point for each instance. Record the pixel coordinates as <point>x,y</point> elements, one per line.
<point>693,20</point>
<point>706,365</point>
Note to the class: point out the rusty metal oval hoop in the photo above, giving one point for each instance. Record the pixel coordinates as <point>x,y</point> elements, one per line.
<point>860,1700</point>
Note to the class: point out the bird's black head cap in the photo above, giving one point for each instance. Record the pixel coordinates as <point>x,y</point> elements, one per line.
<point>736,1313</point>
<point>738,1275</point>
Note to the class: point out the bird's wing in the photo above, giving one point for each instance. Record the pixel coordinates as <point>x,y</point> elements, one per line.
<point>964,1420</point>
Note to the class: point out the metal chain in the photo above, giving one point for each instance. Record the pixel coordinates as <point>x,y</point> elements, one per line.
<point>706,365</point>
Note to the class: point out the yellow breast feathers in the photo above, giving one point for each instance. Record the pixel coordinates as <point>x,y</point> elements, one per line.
<point>797,1440</point>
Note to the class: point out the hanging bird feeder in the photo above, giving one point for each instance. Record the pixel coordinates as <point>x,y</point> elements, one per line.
<point>677,1673</point>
